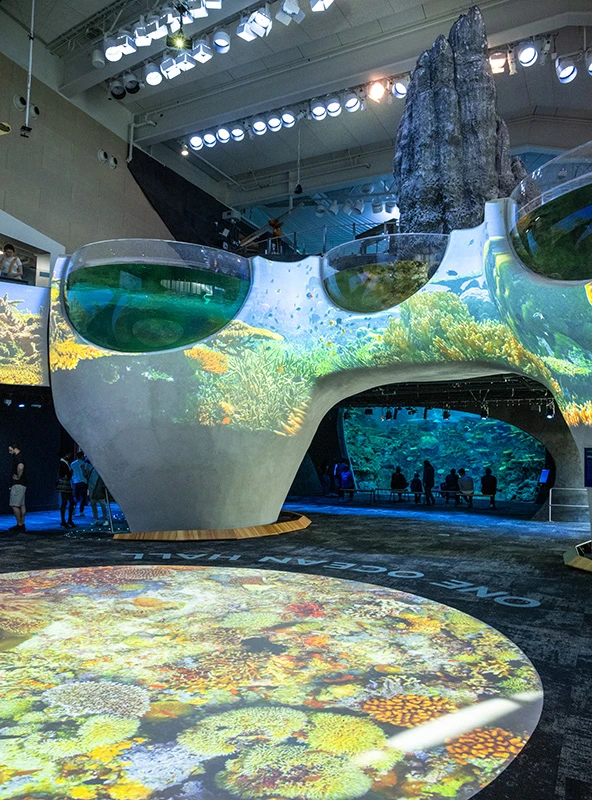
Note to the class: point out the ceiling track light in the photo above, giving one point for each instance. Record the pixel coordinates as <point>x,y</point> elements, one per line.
<point>152,74</point>
<point>401,87</point>
<point>497,62</point>
<point>125,42</point>
<point>112,49</point>
<point>214,5</point>
<point>140,33</point>
<point>261,22</point>
<point>223,135</point>
<point>274,122</point>
<point>156,27</point>
<point>566,70</point>
<point>320,5</point>
<point>209,139</point>
<point>237,132</point>
<point>512,66</point>
<point>184,149</point>
<point>334,106</point>
<point>318,110</point>
<point>352,101</point>
<point>588,60</point>
<point>244,30</point>
<point>290,11</point>
<point>528,53</point>
<point>169,68</point>
<point>221,41</point>
<point>201,50</point>
<point>185,62</point>
<point>197,8</point>
<point>376,91</point>
<point>117,89</point>
<point>196,142</point>
<point>131,83</point>
<point>259,126</point>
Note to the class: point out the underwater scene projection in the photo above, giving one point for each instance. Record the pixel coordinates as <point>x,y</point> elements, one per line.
<point>195,683</point>
<point>23,335</point>
<point>376,446</point>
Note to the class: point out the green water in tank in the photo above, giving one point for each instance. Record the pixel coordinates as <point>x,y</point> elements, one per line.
<point>555,239</point>
<point>137,308</point>
<point>375,287</point>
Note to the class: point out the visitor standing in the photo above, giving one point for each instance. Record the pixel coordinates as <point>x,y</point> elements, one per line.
<point>64,487</point>
<point>466,487</point>
<point>97,495</point>
<point>398,483</point>
<point>80,470</point>
<point>18,488</point>
<point>416,487</point>
<point>10,264</point>
<point>489,486</point>
<point>428,482</point>
<point>347,483</point>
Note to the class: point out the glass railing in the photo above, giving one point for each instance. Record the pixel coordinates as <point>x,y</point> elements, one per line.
<point>373,274</point>
<point>142,295</point>
<point>552,230</point>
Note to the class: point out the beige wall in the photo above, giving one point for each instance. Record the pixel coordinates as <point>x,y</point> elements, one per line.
<point>54,182</point>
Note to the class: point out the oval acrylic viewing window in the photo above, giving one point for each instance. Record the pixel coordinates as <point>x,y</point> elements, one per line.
<point>552,233</point>
<point>135,295</point>
<point>379,272</point>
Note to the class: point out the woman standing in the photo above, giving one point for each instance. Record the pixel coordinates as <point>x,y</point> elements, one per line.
<point>64,487</point>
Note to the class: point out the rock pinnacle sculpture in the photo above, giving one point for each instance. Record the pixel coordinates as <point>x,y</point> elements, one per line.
<point>453,152</point>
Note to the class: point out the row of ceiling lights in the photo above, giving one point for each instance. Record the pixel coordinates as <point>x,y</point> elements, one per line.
<point>351,100</point>
<point>528,53</point>
<point>357,207</point>
<point>388,414</point>
<point>186,53</point>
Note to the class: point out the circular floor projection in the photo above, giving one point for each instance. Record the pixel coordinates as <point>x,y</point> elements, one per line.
<point>195,683</point>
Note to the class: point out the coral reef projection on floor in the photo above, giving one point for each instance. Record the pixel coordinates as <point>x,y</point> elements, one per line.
<point>189,683</point>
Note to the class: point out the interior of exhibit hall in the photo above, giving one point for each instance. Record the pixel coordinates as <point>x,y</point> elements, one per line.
<point>295,399</point>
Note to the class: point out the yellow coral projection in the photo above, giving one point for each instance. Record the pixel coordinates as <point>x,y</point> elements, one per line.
<point>152,683</point>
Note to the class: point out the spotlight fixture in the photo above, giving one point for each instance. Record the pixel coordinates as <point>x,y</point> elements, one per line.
<point>125,42</point>
<point>551,409</point>
<point>152,75</point>
<point>320,5</point>
<point>566,70</point>
<point>318,110</point>
<point>172,18</point>
<point>221,41</point>
<point>368,411</point>
<point>377,207</point>
<point>588,60</point>
<point>290,11</point>
<point>446,414</point>
<point>98,58</point>
<point>131,83</point>
<point>215,5</point>
<point>112,49</point>
<point>196,142</point>
<point>390,205</point>
<point>237,132</point>
<point>528,53</point>
<point>169,68</point>
<point>184,150</point>
<point>245,31</point>
<point>112,162</point>
<point>117,89</point>
<point>197,8</point>
<point>209,139</point>
<point>259,126</point>
<point>389,414</point>
<point>334,208</point>
<point>376,91</point>
<point>261,22</point>
<point>358,208</point>
<point>484,412</point>
<point>333,105</point>
<point>201,50</point>
<point>497,62</point>
<point>156,27</point>
<point>352,102</point>
<point>400,87</point>
<point>140,32</point>
<point>288,118</point>
<point>347,208</point>
<point>274,122</point>
<point>512,68</point>
<point>185,62</point>
<point>223,135</point>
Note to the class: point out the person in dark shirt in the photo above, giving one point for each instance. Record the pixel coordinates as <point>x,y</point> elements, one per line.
<point>416,487</point>
<point>489,486</point>
<point>398,483</point>
<point>18,488</point>
<point>451,486</point>
<point>428,482</point>
<point>64,487</point>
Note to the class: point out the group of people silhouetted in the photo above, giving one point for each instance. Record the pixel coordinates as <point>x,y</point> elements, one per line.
<point>79,482</point>
<point>457,485</point>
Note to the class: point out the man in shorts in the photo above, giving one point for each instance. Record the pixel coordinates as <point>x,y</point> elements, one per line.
<point>18,488</point>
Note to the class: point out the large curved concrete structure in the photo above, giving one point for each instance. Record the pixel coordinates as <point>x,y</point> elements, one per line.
<point>209,431</point>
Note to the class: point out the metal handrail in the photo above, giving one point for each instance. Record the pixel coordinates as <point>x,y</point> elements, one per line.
<point>564,505</point>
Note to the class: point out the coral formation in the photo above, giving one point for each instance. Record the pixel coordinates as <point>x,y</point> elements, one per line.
<point>208,360</point>
<point>344,735</point>
<point>485,743</point>
<point>408,711</point>
<point>21,344</point>
<point>99,697</point>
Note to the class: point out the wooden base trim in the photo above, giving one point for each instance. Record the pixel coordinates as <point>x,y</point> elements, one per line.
<point>574,557</point>
<point>298,522</point>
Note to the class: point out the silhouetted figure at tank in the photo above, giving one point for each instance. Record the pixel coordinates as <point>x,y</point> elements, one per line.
<point>416,488</point>
<point>64,487</point>
<point>451,486</point>
<point>466,486</point>
<point>428,482</point>
<point>398,483</point>
<point>346,482</point>
<point>489,486</point>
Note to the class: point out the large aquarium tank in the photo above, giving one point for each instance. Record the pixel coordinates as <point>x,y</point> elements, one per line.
<point>552,231</point>
<point>377,445</point>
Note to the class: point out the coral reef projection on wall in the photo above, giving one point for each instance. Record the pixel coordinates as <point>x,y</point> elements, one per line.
<point>23,335</point>
<point>376,446</point>
<point>453,149</point>
<point>181,683</point>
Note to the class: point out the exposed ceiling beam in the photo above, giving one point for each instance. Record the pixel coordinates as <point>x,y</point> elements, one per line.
<point>80,75</point>
<point>392,52</point>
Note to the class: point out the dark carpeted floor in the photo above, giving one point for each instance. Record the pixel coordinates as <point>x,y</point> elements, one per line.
<point>508,573</point>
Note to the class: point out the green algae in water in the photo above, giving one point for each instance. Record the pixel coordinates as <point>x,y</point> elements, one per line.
<point>375,287</point>
<point>555,239</point>
<point>137,308</point>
